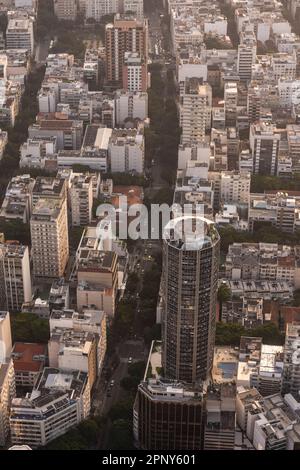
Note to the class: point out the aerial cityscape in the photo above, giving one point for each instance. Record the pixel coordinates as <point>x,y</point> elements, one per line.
<point>149,226</point>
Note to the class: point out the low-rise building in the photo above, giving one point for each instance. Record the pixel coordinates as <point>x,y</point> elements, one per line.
<point>29,361</point>
<point>263,261</point>
<point>17,203</point>
<point>59,401</point>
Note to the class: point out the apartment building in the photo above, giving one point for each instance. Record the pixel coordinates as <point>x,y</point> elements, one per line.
<point>19,34</point>
<point>97,8</point>
<point>134,6</point>
<point>49,187</point>
<point>81,200</point>
<point>195,111</point>
<point>130,107</point>
<point>263,261</point>
<point>29,361</point>
<point>127,151</point>
<point>291,373</point>
<point>126,34</point>
<point>36,151</point>
<point>98,268</point>
<point>59,401</point>
<point>245,398</point>
<point>3,142</point>
<point>219,417</point>
<point>261,368</point>
<point>230,103</point>
<point>264,144</point>
<point>5,336</point>
<point>49,238</point>
<point>271,423</point>
<point>17,203</point>
<point>15,277</point>
<point>293,140</point>
<point>246,56</point>
<point>235,187</point>
<point>135,72</point>
<point>66,9</point>
<point>70,350</point>
<point>7,394</point>
<point>68,133</point>
<point>89,320</point>
<point>278,208</point>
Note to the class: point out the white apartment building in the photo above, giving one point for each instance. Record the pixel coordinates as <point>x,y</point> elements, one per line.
<point>35,152</point>
<point>263,261</point>
<point>17,203</point>
<point>19,34</point>
<point>193,154</point>
<point>89,320</point>
<point>60,401</point>
<point>195,111</point>
<point>190,68</point>
<point>7,394</point>
<point>130,106</point>
<point>127,151</point>
<point>291,373</point>
<point>263,373</point>
<point>101,298</point>
<point>74,350</point>
<point>134,6</point>
<point>230,103</point>
<point>49,238</point>
<point>284,66</point>
<point>15,278</point>
<point>81,200</point>
<point>66,9</point>
<point>216,25</point>
<point>98,8</point>
<point>235,187</point>
<point>289,92</point>
<point>135,75</point>
<point>5,336</point>
<point>47,101</point>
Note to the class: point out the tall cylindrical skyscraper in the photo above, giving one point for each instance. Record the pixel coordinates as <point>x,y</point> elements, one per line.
<point>191,247</point>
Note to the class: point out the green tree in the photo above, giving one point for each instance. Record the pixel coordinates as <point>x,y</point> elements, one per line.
<point>89,429</point>
<point>130,383</point>
<point>230,333</point>
<point>137,369</point>
<point>27,327</point>
<point>121,410</point>
<point>121,437</point>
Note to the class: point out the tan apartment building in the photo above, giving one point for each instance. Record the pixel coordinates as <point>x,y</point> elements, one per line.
<point>49,238</point>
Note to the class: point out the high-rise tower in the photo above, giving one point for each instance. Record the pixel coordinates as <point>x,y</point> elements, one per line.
<point>190,277</point>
